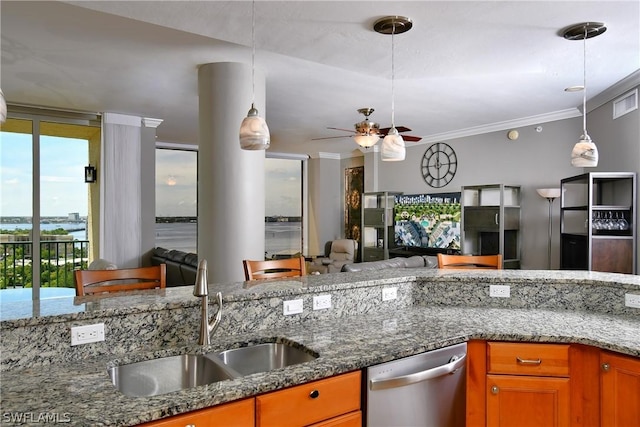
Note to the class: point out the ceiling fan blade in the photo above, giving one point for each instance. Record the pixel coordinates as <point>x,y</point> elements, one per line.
<point>400,129</point>
<point>331,137</point>
<point>344,130</point>
<point>411,138</point>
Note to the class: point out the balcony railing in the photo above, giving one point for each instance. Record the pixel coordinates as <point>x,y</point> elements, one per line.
<point>58,260</point>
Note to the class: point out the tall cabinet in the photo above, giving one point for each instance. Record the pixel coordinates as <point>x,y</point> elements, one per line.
<point>598,230</point>
<point>491,222</point>
<point>377,225</point>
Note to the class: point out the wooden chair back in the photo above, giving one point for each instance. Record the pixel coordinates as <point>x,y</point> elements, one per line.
<point>275,268</point>
<point>477,262</point>
<point>90,282</point>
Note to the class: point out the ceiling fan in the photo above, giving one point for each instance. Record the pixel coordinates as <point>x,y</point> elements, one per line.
<point>369,128</point>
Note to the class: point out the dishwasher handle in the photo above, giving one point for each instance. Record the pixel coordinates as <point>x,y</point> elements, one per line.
<point>456,363</point>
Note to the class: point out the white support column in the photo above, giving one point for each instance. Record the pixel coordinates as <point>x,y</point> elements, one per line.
<point>231,200</point>
<point>119,178</point>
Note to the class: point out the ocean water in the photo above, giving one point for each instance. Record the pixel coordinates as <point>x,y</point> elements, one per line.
<point>280,237</point>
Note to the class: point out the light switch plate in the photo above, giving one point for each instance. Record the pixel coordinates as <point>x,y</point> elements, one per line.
<point>294,306</point>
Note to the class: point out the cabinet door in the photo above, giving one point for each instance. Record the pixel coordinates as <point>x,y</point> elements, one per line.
<point>309,403</point>
<point>612,255</point>
<point>620,390</point>
<point>234,414</point>
<point>520,401</point>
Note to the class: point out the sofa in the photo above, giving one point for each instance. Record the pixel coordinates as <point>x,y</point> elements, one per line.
<point>182,267</point>
<point>336,254</point>
<point>416,261</point>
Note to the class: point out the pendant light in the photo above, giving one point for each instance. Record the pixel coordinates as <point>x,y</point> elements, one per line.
<point>254,132</point>
<point>3,108</point>
<point>585,152</point>
<point>393,148</point>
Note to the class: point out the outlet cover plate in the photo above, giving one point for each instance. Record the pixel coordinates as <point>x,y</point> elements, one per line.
<point>389,294</point>
<point>87,334</point>
<point>499,291</point>
<point>322,302</point>
<point>632,300</point>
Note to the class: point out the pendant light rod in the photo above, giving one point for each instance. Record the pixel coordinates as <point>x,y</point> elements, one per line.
<point>253,53</point>
<point>584,84</point>
<point>393,79</point>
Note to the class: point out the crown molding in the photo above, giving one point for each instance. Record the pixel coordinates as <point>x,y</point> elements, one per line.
<point>614,91</point>
<point>500,126</point>
<point>151,123</point>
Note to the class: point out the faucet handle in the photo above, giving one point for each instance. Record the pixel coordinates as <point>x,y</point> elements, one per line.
<point>216,322</point>
<point>200,288</point>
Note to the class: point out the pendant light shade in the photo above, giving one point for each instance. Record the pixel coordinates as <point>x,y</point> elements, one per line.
<point>254,132</point>
<point>585,152</point>
<point>393,149</point>
<point>3,108</point>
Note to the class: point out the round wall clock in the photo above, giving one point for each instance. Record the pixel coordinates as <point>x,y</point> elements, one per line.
<point>439,165</point>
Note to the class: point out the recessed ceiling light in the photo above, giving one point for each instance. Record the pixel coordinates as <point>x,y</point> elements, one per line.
<point>574,89</point>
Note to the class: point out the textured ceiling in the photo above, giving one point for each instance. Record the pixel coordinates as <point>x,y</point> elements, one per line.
<point>464,67</point>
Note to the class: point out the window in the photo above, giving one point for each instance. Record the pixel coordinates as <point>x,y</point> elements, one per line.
<point>45,213</point>
<point>283,198</point>
<point>177,199</point>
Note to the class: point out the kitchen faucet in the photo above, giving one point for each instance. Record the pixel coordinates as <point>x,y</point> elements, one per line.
<point>200,289</point>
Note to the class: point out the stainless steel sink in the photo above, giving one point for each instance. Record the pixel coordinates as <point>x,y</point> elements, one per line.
<point>167,374</point>
<point>264,357</point>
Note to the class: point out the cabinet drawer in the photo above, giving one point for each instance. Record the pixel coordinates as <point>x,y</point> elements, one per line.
<point>353,419</point>
<point>309,403</point>
<point>528,359</point>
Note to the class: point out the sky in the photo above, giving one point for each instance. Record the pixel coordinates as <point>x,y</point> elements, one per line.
<point>63,189</point>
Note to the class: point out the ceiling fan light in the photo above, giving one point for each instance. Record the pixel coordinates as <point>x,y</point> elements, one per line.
<point>366,141</point>
<point>584,153</point>
<point>393,149</point>
<point>254,132</point>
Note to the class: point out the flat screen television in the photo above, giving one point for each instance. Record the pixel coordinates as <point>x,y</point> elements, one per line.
<point>428,221</point>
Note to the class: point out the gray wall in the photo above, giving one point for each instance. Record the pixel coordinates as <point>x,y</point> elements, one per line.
<point>618,142</point>
<point>325,214</point>
<point>534,160</point>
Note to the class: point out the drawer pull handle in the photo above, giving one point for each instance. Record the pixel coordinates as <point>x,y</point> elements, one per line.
<point>314,394</point>
<point>495,389</point>
<point>535,362</point>
<point>606,367</point>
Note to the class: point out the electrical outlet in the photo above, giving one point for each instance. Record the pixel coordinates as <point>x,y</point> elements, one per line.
<point>500,291</point>
<point>632,300</point>
<point>321,302</point>
<point>389,294</point>
<point>293,307</point>
<point>87,334</point>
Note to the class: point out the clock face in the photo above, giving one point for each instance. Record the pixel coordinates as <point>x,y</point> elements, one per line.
<point>439,165</point>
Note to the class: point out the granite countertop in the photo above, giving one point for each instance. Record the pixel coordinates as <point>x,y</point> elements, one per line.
<point>84,394</point>
<point>446,308</point>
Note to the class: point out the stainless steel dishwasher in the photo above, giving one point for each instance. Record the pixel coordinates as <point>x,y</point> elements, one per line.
<point>427,389</point>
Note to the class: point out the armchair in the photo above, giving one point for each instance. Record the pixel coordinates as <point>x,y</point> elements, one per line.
<point>337,253</point>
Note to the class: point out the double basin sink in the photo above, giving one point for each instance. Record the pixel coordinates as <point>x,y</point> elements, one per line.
<point>173,373</point>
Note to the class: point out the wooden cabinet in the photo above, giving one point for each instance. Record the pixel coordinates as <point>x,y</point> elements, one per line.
<point>324,402</point>
<point>234,414</point>
<point>491,222</point>
<point>620,390</point>
<point>597,222</point>
<point>331,402</point>
<point>527,384</point>
<point>574,385</point>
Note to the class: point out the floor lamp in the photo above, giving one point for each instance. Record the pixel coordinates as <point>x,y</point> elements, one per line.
<point>550,194</point>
